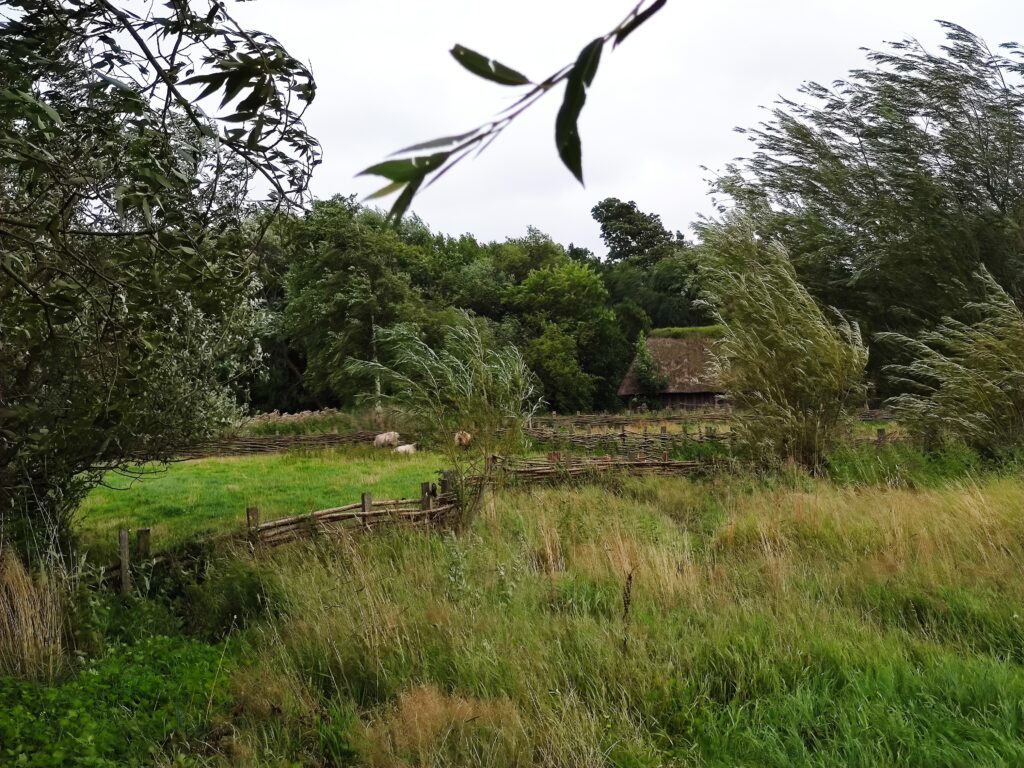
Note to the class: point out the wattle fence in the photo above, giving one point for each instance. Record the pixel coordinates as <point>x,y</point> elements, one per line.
<point>556,467</point>
<point>242,446</point>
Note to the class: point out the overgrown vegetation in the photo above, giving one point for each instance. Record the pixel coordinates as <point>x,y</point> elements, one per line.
<point>797,621</point>
<point>965,381</point>
<point>794,375</point>
<point>648,375</point>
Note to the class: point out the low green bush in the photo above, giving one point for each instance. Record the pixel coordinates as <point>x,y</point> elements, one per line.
<point>902,465</point>
<point>135,705</point>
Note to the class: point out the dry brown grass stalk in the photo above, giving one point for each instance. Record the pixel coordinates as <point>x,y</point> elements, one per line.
<point>31,622</point>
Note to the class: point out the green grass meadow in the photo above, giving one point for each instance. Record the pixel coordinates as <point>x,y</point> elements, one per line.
<point>192,499</point>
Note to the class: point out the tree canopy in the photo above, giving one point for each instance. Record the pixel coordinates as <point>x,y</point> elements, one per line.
<point>129,301</point>
<point>892,187</point>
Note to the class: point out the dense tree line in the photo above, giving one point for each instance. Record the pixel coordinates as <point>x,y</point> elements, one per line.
<point>334,275</point>
<point>892,188</point>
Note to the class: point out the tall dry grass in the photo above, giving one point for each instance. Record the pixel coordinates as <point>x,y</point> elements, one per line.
<point>670,619</point>
<point>32,622</point>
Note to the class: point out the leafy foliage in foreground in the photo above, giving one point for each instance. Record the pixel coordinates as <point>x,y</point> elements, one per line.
<point>793,376</point>
<point>128,707</point>
<point>127,303</point>
<point>965,380</point>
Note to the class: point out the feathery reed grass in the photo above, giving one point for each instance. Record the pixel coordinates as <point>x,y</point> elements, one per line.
<point>794,376</point>
<point>966,380</point>
<point>32,622</point>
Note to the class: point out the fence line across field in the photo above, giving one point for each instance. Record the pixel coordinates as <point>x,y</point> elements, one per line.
<point>436,506</point>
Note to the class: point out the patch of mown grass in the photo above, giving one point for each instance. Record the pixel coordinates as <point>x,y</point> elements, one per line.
<point>192,499</point>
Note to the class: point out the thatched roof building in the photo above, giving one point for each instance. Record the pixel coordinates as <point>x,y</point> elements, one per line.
<point>684,363</point>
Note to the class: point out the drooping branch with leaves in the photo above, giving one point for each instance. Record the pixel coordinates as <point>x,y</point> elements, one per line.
<point>412,166</point>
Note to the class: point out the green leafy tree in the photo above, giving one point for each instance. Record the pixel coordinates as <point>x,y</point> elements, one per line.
<point>572,297</point>
<point>127,304</point>
<point>892,187</point>
<point>794,376</point>
<point>554,357</point>
<point>347,276</point>
<point>629,233</point>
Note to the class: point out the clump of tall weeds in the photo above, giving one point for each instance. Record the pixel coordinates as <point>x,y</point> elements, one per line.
<point>32,622</point>
<point>793,370</point>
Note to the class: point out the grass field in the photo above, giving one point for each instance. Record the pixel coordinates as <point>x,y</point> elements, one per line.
<point>197,498</point>
<point>876,619</point>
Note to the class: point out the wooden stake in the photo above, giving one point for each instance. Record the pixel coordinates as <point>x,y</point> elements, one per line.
<point>880,435</point>
<point>126,574</point>
<point>142,543</point>
<point>426,499</point>
<point>252,517</point>
<point>367,502</point>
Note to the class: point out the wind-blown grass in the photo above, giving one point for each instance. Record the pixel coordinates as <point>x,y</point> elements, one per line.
<point>668,621</point>
<point>794,376</point>
<point>966,380</point>
<point>672,623</point>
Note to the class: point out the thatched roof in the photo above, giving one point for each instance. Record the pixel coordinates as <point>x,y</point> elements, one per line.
<point>684,362</point>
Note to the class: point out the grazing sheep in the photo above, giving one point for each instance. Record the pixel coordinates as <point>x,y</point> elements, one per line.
<point>463,438</point>
<point>408,448</point>
<point>386,440</point>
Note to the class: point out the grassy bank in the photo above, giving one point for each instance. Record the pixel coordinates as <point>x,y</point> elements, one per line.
<point>793,621</point>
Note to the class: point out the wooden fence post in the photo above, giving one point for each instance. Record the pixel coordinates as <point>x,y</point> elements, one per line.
<point>880,435</point>
<point>252,520</point>
<point>142,543</point>
<point>367,501</point>
<point>122,549</point>
<point>426,499</point>
<point>447,484</point>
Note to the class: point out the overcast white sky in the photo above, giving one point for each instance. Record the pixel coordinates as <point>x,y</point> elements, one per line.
<point>664,103</point>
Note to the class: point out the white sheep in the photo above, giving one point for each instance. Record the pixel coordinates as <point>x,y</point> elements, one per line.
<point>386,440</point>
<point>463,438</point>
<point>408,448</point>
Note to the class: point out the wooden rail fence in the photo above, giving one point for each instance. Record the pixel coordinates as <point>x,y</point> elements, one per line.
<point>433,507</point>
<point>365,515</point>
